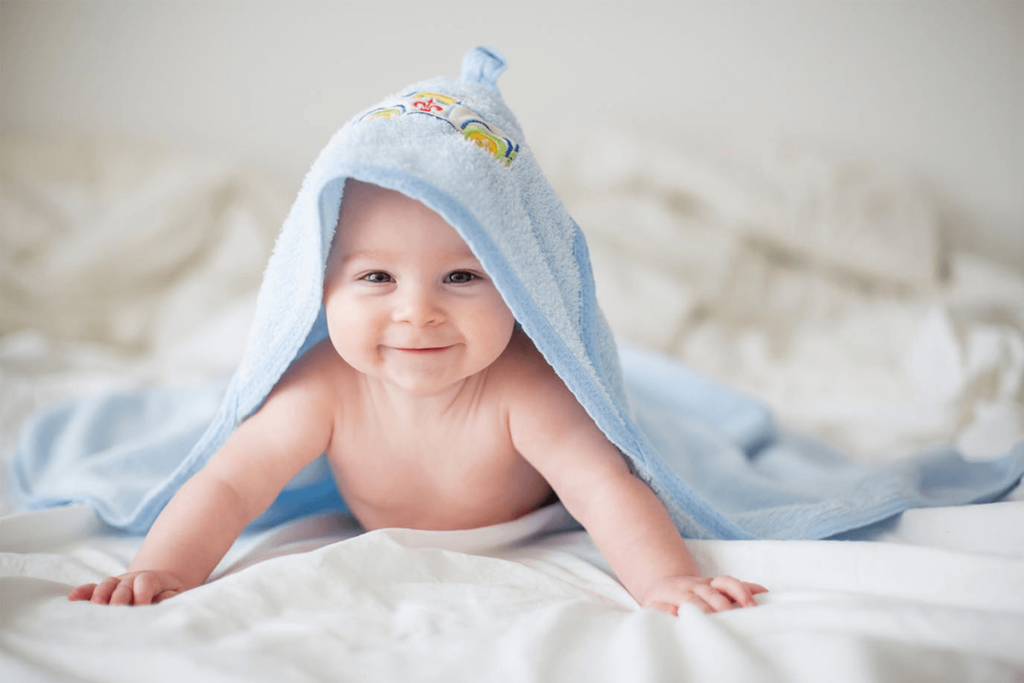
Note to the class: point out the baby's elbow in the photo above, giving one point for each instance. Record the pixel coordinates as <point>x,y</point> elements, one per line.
<point>231,500</point>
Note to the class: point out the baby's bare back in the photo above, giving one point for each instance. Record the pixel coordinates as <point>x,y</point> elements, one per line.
<point>446,464</point>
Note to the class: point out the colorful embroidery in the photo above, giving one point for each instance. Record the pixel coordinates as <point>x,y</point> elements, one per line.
<point>455,113</point>
<point>390,113</point>
<point>444,99</point>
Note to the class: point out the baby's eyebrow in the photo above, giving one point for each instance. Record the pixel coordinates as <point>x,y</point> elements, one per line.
<point>365,254</point>
<point>383,254</point>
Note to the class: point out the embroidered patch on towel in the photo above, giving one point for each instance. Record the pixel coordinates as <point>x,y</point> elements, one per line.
<point>453,112</point>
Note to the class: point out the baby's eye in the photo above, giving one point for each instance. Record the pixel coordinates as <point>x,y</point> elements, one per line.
<point>377,277</point>
<point>460,277</point>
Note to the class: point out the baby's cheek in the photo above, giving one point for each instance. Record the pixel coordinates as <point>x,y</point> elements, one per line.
<point>356,353</point>
<point>343,326</point>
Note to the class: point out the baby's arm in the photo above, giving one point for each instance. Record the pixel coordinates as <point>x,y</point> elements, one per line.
<point>242,479</point>
<point>626,520</point>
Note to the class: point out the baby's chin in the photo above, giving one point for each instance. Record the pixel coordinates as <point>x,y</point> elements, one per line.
<point>429,378</point>
<point>420,372</point>
<point>423,385</point>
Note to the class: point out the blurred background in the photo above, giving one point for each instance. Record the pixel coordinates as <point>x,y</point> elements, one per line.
<point>819,203</point>
<point>932,88</point>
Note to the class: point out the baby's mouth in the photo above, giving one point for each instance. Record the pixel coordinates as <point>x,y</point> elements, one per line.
<point>422,349</point>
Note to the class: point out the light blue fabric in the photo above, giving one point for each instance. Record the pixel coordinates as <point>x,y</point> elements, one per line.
<point>712,456</point>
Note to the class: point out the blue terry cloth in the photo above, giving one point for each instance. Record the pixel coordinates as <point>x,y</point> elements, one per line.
<point>712,456</point>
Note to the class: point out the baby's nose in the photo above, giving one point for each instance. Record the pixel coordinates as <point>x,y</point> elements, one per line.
<point>418,305</point>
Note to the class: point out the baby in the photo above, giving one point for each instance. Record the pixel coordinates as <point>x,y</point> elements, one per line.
<point>434,411</point>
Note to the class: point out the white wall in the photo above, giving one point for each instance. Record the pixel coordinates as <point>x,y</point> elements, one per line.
<point>933,88</point>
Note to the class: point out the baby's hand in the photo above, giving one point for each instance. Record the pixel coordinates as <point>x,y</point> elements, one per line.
<point>133,588</point>
<point>710,595</point>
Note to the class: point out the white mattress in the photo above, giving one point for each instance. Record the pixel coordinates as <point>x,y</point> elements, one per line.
<point>109,282</point>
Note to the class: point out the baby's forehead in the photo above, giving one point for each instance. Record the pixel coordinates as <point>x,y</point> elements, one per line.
<point>362,195</point>
<point>371,215</point>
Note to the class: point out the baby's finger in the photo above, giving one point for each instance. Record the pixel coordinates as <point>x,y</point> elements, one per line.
<point>83,592</point>
<point>101,596</point>
<point>755,588</point>
<point>165,595</point>
<point>698,602</point>
<point>666,607</point>
<point>146,587</point>
<point>122,595</point>
<point>716,600</point>
<point>735,589</point>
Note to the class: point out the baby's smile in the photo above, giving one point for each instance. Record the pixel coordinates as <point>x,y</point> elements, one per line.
<point>425,350</point>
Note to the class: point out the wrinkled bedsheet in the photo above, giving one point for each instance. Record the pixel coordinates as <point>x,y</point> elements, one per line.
<point>525,601</point>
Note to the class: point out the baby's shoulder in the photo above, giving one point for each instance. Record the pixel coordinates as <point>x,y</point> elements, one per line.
<point>301,407</point>
<point>318,371</point>
<point>540,408</point>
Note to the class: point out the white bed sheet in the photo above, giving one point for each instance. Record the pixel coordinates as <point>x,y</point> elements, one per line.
<point>525,601</point>
<point>936,595</point>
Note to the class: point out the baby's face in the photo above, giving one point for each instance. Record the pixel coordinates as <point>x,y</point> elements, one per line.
<point>406,300</point>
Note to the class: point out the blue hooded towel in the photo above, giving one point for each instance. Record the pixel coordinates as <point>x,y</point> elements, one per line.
<point>712,456</point>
